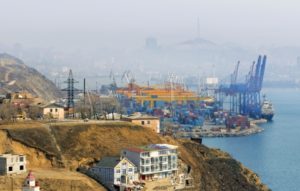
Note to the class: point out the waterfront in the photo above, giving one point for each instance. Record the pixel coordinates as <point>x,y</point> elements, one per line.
<point>274,153</point>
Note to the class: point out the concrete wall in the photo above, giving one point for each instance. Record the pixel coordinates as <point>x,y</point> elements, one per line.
<point>12,164</point>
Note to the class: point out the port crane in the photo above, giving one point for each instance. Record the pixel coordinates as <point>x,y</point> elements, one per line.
<point>245,98</point>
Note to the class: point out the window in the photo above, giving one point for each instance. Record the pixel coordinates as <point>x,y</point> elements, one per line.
<point>143,122</point>
<point>21,159</point>
<point>21,167</point>
<point>148,122</point>
<point>10,168</point>
<point>56,110</point>
<point>147,161</point>
<point>51,110</point>
<point>118,171</point>
<point>146,154</point>
<point>163,152</point>
<point>130,170</point>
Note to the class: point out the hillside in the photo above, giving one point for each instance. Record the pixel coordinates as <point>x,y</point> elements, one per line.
<point>16,76</point>
<point>71,145</point>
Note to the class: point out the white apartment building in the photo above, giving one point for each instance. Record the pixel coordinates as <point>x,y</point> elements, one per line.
<point>12,164</point>
<point>153,161</point>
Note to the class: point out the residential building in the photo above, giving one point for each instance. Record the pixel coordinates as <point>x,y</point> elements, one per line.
<point>145,121</point>
<point>12,164</point>
<point>30,184</point>
<point>153,161</point>
<point>115,171</point>
<point>54,111</point>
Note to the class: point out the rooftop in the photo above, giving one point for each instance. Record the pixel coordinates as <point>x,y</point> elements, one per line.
<point>52,105</point>
<point>8,155</point>
<point>108,162</point>
<point>152,147</point>
<point>140,116</point>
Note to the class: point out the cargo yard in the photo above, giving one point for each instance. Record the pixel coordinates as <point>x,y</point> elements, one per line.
<point>232,109</point>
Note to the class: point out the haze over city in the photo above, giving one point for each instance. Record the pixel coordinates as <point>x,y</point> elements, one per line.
<point>111,35</point>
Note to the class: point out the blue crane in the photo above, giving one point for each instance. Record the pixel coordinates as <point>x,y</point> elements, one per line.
<point>245,98</point>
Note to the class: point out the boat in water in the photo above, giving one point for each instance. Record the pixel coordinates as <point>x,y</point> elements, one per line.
<point>267,110</point>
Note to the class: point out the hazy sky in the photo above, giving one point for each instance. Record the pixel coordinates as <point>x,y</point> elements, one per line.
<point>128,22</point>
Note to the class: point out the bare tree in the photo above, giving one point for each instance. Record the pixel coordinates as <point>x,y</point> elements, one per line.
<point>8,111</point>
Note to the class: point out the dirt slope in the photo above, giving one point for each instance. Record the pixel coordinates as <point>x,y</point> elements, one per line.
<point>52,180</point>
<point>74,145</point>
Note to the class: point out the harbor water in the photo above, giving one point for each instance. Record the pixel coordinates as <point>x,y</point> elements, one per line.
<point>273,154</point>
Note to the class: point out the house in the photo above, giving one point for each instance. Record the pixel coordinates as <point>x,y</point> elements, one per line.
<point>145,121</point>
<point>30,184</point>
<point>12,164</point>
<point>153,161</point>
<point>115,171</point>
<point>53,111</point>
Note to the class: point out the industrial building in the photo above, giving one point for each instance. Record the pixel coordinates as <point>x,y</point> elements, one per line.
<point>152,97</point>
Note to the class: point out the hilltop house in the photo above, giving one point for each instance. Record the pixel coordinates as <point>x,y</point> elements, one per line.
<point>12,164</point>
<point>115,171</point>
<point>30,184</point>
<point>54,111</point>
<point>145,121</point>
<point>153,161</point>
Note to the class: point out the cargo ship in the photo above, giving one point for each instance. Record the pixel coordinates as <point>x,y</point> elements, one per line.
<point>267,110</point>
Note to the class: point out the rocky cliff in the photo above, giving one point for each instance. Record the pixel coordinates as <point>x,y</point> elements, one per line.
<point>16,76</point>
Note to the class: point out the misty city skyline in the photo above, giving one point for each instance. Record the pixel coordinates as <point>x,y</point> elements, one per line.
<point>127,23</point>
<point>198,37</point>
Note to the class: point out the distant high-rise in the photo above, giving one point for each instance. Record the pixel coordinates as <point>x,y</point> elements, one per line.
<point>198,28</point>
<point>298,61</point>
<point>151,43</point>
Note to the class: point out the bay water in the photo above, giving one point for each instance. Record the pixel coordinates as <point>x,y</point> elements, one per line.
<point>273,154</point>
